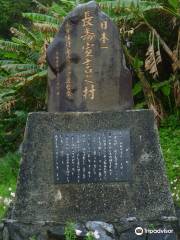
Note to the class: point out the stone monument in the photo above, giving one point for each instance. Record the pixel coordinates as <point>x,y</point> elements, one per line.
<point>87,69</point>
<point>90,157</point>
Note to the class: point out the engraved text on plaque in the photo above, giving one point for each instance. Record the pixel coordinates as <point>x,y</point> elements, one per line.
<point>85,157</point>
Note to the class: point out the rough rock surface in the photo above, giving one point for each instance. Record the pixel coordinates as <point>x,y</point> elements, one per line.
<point>145,196</point>
<point>124,230</point>
<point>103,231</point>
<point>87,69</point>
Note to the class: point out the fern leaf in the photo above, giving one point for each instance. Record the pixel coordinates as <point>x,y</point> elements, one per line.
<point>46,27</point>
<point>38,17</point>
<point>6,93</point>
<point>12,80</point>
<point>19,41</point>
<point>41,74</point>
<point>28,34</point>
<point>56,8</point>
<point>41,6</point>
<point>10,46</point>
<point>25,73</point>
<point>18,67</point>
<point>147,6</point>
<point>19,77</point>
<point>17,33</point>
<point>8,105</point>
<point>141,6</point>
<point>4,62</point>
<point>119,3</point>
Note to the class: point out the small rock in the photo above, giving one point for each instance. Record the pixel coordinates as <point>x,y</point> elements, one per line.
<point>82,228</point>
<point>101,230</point>
<point>56,232</point>
<point>78,232</point>
<point>107,227</point>
<point>169,219</point>
<point>131,219</point>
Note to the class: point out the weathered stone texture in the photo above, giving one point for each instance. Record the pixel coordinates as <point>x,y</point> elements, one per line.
<point>145,196</point>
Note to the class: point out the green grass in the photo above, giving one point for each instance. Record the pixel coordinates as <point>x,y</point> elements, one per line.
<point>170,143</point>
<point>9,166</point>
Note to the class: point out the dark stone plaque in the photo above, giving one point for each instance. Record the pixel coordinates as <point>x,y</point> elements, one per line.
<point>85,157</point>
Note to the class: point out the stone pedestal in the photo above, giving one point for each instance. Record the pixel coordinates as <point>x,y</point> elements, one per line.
<point>144,197</point>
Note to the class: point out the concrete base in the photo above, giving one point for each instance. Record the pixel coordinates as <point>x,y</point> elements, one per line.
<point>145,197</point>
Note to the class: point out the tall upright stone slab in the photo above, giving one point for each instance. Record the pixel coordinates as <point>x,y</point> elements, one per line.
<point>87,65</point>
<point>89,158</point>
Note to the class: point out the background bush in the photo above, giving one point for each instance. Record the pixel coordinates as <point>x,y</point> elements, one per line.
<point>11,13</point>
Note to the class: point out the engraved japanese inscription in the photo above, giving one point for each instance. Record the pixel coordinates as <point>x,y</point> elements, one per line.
<point>86,60</point>
<point>85,157</point>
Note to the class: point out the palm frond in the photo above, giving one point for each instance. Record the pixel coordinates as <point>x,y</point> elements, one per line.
<point>16,32</point>
<point>40,74</point>
<point>24,36</point>
<point>56,8</point>
<point>21,41</point>
<point>128,9</point>
<point>46,27</point>
<point>7,105</point>
<point>41,7</point>
<point>6,93</point>
<point>18,67</point>
<point>118,3</point>
<point>38,17</point>
<point>148,5</point>
<point>18,77</point>
<point>29,35</point>
<point>12,80</point>
<point>10,46</point>
<point>6,61</point>
<point>61,10</point>
<point>25,73</point>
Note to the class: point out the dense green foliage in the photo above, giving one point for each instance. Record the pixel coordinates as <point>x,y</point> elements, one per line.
<point>70,233</point>
<point>23,73</point>
<point>11,13</point>
<point>150,33</point>
<point>170,142</point>
<point>8,175</point>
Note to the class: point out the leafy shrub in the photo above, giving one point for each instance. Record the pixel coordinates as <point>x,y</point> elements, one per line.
<point>70,233</point>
